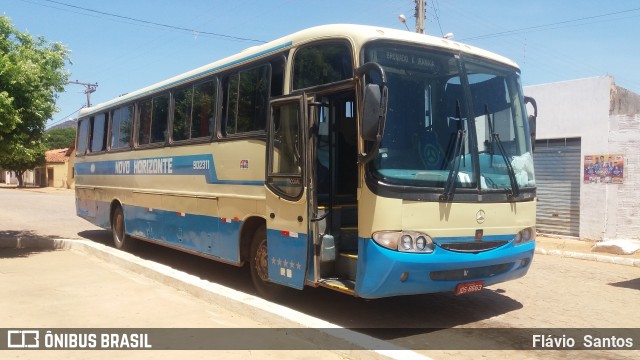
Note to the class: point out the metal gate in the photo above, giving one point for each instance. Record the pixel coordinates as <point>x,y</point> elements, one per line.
<point>558,169</point>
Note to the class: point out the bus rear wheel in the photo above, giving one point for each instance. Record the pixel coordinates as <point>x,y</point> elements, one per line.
<point>259,263</point>
<point>120,238</point>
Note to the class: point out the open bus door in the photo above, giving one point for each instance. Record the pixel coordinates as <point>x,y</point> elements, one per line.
<point>287,192</point>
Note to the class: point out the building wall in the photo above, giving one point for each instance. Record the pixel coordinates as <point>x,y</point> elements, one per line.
<point>624,137</point>
<point>59,174</point>
<point>606,119</point>
<point>9,177</point>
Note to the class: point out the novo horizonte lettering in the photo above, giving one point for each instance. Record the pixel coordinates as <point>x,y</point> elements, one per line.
<point>145,166</point>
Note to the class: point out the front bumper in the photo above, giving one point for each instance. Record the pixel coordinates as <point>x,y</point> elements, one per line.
<point>383,272</point>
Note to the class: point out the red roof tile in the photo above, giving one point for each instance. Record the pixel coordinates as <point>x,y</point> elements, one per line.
<point>56,156</point>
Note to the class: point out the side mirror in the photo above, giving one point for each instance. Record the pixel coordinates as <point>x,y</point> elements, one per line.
<point>374,110</point>
<point>371,116</point>
<point>532,120</point>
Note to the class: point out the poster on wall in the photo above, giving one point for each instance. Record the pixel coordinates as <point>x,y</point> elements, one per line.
<point>604,169</point>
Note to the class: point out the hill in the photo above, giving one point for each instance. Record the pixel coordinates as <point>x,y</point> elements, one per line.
<point>64,125</point>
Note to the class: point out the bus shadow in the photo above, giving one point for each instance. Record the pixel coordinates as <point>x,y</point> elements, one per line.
<point>402,320</point>
<point>403,316</point>
<point>633,284</point>
<point>210,270</point>
<point>100,236</point>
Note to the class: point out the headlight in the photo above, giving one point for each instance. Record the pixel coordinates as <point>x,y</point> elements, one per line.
<point>405,241</point>
<point>388,239</point>
<point>525,235</point>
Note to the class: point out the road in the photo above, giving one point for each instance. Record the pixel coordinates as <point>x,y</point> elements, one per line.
<point>556,293</point>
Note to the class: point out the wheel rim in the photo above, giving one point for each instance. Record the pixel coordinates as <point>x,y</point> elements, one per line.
<point>118,228</point>
<point>262,261</point>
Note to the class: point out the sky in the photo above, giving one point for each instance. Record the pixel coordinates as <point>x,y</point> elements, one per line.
<point>124,45</point>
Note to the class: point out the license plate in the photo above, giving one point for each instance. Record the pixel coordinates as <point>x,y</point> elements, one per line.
<point>469,287</point>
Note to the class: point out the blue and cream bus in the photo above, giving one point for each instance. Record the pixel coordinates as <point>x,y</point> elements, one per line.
<point>370,161</point>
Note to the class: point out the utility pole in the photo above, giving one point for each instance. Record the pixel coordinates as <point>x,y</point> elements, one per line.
<point>88,89</point>
<point>420,15</point>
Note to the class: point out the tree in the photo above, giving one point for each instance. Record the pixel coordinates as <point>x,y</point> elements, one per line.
<point>60,138</point>
<point>32,73</point>
<point>21,158</point>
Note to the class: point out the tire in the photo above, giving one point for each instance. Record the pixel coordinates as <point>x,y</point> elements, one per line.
<point>120,238</point>
<point>259,263</point>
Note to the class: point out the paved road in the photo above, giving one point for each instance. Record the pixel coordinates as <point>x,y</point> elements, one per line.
<point>46,211</point>
<point>557,292</point>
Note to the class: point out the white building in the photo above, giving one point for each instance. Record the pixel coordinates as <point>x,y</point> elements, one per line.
<point>9,177</point>
<point>578,119</point>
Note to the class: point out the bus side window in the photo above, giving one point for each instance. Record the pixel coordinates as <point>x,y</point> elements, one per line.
<point>285,168</point>
<point>90,131</point>
<point>121,121</point>
<point>144,122</point>
<point>232,104</point>
<point>160,118</point>
<point>322,64</point>
<point>182,113</point>
<point>152,124</point>
<point>277,76</point>
<point>204,109</point>
<point>81,142</point>
<point>98,133</point>
<point>247,100</point>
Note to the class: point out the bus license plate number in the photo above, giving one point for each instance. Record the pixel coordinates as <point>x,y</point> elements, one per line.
<point>469,287</point>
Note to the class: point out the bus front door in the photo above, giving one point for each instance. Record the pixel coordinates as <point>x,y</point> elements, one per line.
<point>286,199</point>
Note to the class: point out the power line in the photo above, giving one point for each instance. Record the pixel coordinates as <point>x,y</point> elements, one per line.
<point>554,55</point>
<point>147,22</point>
<point>65,117</point>
<point>435,7</point>
<point>507,32</point>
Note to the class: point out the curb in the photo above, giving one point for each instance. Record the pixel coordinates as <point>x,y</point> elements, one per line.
<point>233,300</point>
<point>591,257</point>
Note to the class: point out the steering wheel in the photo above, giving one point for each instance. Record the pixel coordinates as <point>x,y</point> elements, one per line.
<point>431,156</point>
<point>430,152</point>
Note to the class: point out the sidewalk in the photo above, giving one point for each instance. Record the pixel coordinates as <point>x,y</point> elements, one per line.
<point>91,285</point>
<point>581,249</point>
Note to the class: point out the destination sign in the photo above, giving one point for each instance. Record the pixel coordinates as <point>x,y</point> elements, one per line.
<point>410,59</point>
<point>413,60</point>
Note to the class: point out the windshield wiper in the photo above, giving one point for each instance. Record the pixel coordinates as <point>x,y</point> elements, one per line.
<point>490,123</point>
<point>515,190</point>
<point>450,186</point>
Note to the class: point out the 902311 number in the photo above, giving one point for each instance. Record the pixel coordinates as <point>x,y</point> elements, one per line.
<point>201,165</point>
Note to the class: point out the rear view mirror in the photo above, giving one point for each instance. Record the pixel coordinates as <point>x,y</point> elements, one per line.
<point>374,109</point>
<point>371,116</point>
<point>532,120</point>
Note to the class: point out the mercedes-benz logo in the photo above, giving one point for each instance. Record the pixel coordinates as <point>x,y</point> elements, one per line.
<point>480,216</point>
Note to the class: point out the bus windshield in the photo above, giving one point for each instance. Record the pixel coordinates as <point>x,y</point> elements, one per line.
<point>451,116</point>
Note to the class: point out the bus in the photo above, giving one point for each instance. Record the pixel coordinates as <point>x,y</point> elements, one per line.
<point>371,161</point>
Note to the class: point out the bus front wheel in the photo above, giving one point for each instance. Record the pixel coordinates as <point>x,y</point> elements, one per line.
<point>259,263</point>
<point>120,238</point>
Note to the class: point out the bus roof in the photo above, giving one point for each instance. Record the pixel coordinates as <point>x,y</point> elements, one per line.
<point>357,34</point>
